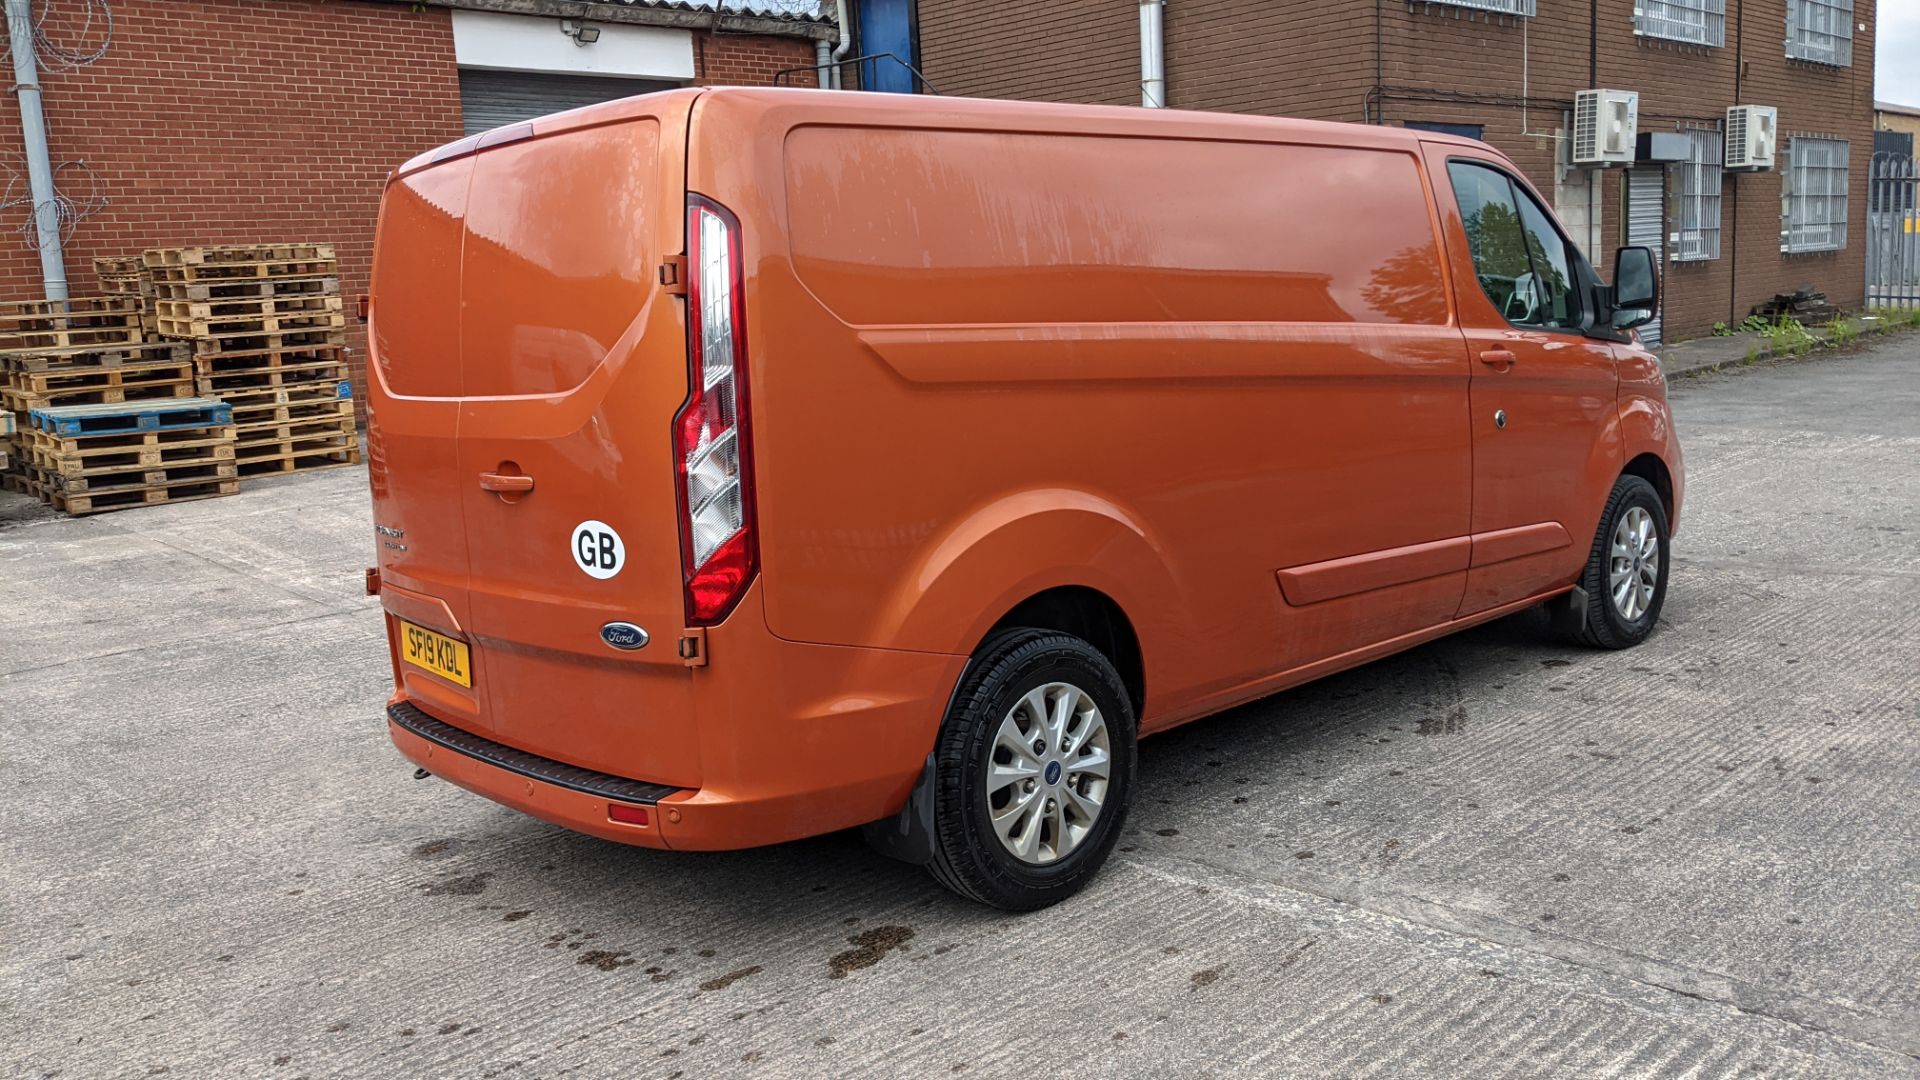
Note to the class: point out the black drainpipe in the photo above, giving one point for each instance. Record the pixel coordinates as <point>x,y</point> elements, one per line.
<point>1593,44</point>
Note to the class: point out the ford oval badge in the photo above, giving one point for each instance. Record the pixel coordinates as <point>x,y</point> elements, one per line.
<point>623,635</point>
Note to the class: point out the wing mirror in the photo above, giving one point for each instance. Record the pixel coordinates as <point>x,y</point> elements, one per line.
<point>1635,296</point>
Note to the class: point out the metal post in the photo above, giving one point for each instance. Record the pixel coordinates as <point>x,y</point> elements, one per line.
<point>1153,54</point>
<point>33,129</point>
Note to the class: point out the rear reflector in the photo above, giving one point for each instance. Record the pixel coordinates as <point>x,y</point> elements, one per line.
<point>630,815</point>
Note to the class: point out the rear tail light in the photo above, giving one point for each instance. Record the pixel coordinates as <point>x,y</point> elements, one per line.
<point>714,454</point>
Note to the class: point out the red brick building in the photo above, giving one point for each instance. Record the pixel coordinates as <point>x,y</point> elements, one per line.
<point>1507,71</point>
<point>246,121</point>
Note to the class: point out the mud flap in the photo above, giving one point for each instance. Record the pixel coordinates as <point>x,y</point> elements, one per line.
<point>908,835</point>
<point>1569,612</point>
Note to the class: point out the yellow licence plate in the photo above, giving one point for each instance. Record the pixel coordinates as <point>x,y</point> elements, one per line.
<point>437,653</point>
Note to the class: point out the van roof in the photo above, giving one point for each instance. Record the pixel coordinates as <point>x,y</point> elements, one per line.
<point>991,113</point>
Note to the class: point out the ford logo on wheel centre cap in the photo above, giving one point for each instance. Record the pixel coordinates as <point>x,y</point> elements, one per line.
<point>623,635</point>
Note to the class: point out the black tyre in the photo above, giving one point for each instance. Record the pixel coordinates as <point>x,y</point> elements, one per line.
<point>1033,771</point>
<point>1625,581</point>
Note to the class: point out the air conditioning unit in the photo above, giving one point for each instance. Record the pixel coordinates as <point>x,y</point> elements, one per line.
<point>1605,123</point>
<point>1751,135</point>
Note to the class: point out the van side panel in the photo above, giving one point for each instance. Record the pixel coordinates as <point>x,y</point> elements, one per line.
<point>1241,349</point>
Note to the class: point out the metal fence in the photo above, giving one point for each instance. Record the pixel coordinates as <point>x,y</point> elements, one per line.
<point>1893,232</point>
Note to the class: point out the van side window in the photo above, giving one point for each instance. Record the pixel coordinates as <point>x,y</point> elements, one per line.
<point>1518,255</point>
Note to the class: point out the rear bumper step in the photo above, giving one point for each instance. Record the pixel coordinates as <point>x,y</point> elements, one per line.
<point>533,766</point>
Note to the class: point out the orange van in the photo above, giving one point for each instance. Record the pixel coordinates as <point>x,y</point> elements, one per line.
<point>750,464</point>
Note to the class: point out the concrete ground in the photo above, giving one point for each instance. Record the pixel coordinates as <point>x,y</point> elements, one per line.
<point>1493,855</point>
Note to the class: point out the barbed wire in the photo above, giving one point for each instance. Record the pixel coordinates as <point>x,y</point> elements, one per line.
<point>68,211</point>
<point>56,56</point>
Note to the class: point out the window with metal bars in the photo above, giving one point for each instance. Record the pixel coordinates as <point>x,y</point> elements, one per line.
<point>1698,22</point>
<point>1813,199</point>
<point>1504,7</point>
<point>1696,197</point>
<point>1821,31</point>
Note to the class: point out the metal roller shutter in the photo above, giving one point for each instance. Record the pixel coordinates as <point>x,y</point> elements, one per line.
<point>489,99</point>
<point>1647,227</point>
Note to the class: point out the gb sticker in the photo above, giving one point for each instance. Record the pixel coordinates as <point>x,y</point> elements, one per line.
<point>597,549</point>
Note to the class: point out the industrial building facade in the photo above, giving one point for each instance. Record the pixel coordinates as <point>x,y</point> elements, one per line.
<point>260,121</point>
<point>1507,71</point>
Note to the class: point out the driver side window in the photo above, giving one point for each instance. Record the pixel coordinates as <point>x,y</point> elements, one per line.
<point>1519,257</point>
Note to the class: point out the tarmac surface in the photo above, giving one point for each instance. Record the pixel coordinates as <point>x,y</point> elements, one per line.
<point>1493,855</point>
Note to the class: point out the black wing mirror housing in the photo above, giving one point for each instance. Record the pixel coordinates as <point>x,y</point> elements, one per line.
<point>1636,287</point>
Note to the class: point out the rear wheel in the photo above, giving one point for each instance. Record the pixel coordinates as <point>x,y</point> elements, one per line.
<point>1034,771</point>
<point>1625,582</point>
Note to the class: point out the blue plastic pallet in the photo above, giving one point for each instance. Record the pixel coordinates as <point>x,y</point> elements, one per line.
<point>345,391</point>
<point>124,417</point>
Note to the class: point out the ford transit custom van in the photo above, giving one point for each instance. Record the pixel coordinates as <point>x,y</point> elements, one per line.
<point>749,464</point>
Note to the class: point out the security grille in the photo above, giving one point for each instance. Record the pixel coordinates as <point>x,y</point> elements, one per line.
<point>1699,22</point>
<point>1821,31</point>
<point>1697,198</point>
<point>1647,226</point>
<point>1504,7</point>
<point>1813,201</point>
<point>1893,232</point>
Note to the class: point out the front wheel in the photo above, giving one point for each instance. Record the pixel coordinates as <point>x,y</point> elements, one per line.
<point>1034,771</point>
<point>1625,581</point>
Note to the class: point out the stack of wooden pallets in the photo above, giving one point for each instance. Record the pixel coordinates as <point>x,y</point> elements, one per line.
<point>84,459</point>
<point>267,328</point>
<point>127,275</point>
<point>88,351</point>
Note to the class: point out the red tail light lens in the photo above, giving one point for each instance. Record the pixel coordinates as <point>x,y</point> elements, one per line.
<point>714,454</point>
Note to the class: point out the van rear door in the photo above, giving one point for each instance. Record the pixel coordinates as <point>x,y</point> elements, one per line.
<point>572,365</point>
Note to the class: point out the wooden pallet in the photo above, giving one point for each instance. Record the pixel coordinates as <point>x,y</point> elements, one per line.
<point>219,381</point>
<point>106,376</point>
<point>93,356</point>
<point>134,450</point>
<point>128,417</point>
<point>112,480</point>
<point>254,342</point>
<point>245,308</point>
<point>300,457</point>
<point>261,432</point>
<point>217,328</point>
<point>35,325</point>
<point>246,288</point>
<point>125,384</point>
<point>236,254</point>
<point>123,275</point>
<point>99,502</point>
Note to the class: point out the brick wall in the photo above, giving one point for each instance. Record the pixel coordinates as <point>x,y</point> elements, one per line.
<point>1515,77</point>
<point>750,59</point>
<point>240,121</point>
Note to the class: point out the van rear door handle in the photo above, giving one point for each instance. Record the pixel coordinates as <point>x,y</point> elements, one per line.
<point>505,483</point>
<point>1498,359</point>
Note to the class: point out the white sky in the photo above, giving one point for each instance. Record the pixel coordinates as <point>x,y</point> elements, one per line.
<point>1896,75</point>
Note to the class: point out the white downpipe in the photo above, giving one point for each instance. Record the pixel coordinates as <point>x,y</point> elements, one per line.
<point>846,40</point>
<point>822,62</point>
<point>1153,54</point>
<point>33,131</point>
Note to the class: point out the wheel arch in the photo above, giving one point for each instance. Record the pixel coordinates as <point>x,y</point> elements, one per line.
<point>1649,467</point>
<point>1093,617</point>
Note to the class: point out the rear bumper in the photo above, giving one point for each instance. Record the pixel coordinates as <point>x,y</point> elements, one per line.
<point>836,739</point>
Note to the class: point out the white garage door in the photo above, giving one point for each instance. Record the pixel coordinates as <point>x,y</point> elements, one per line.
<point>489,99</point>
